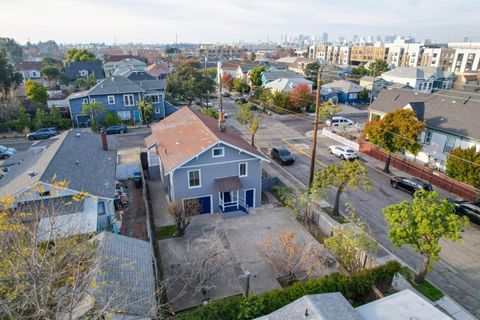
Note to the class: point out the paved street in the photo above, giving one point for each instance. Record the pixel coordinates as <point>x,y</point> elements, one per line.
<point>458,271</point>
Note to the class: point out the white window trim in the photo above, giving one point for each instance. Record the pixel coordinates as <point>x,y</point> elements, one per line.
<point>85,101</point>
<point>124,101</point>
<point>92,100</point>
<point>218,156</point>
<point>108,99</point>
<point>246,169</point>
<point>199,179</point>
<point>122,113</point>
<point>157,110</point>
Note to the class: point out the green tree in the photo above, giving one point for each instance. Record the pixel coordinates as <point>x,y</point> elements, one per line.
<point>212,72</point>
<point>50,73</point>
<point>41,119</point>
<point>251,120</point>
<point>36,92</point>
<point>146,110</point>
<point>23,120</point>
<point>311,71</point>
<point>255,75</point>
<point>360,70</point>
<point>112,119</point>
<point>240,85</point>
<point>10,49</point>
<point>422,224</point>
<point>8,77</point>
<point>76,55</point>
<point>280,100</point>
<point>363,95</point>
<point>397,131</point>
<point>227,81</point>
<point>51,61</point>
<point>86,83</point>
<point>378,67</point>
<point>209,112</point>
<point>302,97</point>
<point>340,176</point>
<point>464,165</point>
<point>92,109</point>
<point>350,243</point>
<point>188,83</point>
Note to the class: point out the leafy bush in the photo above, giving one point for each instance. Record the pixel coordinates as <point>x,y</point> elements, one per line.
<point>209,112</point>
<point>112,119</point>
<point>355,288</point>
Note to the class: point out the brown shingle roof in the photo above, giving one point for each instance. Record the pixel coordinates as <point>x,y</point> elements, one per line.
<point>29,65</point>
<point>157,69</point>
<point>187,133</point>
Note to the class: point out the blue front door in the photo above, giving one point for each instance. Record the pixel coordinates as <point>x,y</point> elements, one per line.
<point>205,203</point>
<point>250,197</point>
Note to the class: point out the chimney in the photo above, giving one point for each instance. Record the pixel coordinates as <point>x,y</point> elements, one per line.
<point>222,125</point>
<point>104,140</point>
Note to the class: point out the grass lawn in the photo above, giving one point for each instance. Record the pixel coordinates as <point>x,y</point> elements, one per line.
<point>165,232</point>
<point>426,288</point>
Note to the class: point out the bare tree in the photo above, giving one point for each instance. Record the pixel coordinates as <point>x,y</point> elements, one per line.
<point>293,259</point>
<point>207,256</point>
<point>183,214</point>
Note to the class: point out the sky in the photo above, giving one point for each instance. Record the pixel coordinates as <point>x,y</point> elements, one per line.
<point>228,21</point>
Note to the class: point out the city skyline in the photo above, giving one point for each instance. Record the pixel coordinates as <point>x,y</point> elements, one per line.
<point>209,21</point>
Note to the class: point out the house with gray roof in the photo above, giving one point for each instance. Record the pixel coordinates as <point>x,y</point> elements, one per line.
<point>403,305</point>
<point>272,75</point>
<point>422,79</point>
<point>83,69</point>
<point>346,91</point>
<point>451,120</point>
<point>120,94</point>
<point>74,173</point>
<point>116,68</point>
<point>287,85</point>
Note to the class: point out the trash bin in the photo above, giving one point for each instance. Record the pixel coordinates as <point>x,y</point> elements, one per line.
<point>137,178</point>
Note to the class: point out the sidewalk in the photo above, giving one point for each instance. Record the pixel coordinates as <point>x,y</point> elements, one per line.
<point>158,200</point>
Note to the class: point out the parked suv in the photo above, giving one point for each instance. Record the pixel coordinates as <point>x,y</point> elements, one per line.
<point>339,122</point>
<point>115,129</point>
<point>42,133</point>
<point>469,209</point>
<point>411,185</point>
<point>283,156</point>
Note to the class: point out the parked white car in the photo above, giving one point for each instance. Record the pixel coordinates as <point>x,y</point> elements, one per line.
<point>339,122</point>
<point>344,153</point>
<point>6,152</point>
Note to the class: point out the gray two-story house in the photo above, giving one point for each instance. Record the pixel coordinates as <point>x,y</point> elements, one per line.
<point>196,158</point>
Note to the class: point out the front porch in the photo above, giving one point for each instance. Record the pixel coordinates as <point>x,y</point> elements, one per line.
<point>231,195</point>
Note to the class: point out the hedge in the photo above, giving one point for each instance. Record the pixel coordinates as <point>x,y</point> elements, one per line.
<point>355,288</point>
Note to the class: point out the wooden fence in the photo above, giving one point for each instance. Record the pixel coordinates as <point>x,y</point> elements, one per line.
<point>434,177</point>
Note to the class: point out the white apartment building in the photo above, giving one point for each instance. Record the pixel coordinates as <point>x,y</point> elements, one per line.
<point>466,60</point>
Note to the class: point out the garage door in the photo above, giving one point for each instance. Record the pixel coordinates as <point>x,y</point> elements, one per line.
<point>205,204</point>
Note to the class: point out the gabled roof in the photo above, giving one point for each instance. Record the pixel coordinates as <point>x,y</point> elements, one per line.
<point>230,65</point>
<point>417,73</point>
<point>451,112</point>
<point>29,65</point>
<point>152,85</point>
<point>72,70</point>
<point>120,57</point>
<point>136,75</point>
<point>246,67</point>
<point>158,69</point>
<point>342,86</point>
<point>115,85</point>
<point>288,85</point>
<point>187,133</point>
<point>277,74</point>
<point>125,277</point>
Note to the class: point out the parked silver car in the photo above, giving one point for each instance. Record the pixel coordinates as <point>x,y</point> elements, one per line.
<point>6,152</point>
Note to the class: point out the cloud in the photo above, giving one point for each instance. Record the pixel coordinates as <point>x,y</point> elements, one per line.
<point>156,21</point>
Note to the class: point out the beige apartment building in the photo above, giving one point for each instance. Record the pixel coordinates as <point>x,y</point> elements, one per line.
<point>365,54</point>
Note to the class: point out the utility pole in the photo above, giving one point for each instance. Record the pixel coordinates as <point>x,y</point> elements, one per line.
<point>315,129</point>
<point>248,275</point>
<point>206,80</point>
<point>220,97</point>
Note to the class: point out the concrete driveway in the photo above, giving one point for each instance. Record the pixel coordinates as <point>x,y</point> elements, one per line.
<point>241,235</point>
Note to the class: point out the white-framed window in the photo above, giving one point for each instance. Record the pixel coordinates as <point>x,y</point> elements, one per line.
<point>353,95</point>
<point>157,110</point>
<point>83,73</point>
<point>153,99</point>
<point>218,152</point>
<point>85,101</point>
<point>194,180</point>
<point>428,137</point>
<point>34,74</point>
<point>92,100</point>
<point>124,115</point>
<point>243,169</point>
<point>449,144</point>
<point>111,99</point>
<point>128,100</point>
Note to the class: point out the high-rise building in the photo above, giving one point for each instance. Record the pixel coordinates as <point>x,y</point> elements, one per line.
<point>325,37</point>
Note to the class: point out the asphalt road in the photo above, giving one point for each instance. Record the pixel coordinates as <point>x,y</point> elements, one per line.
<point>21,144</point>
<point>457,272</point>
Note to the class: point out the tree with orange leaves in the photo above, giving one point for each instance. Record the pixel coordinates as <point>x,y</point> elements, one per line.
<point>301,97</point>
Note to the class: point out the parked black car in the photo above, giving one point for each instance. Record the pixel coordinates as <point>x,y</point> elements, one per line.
<point>115,129</point>
<point>283,156</point>
<point>469,209</point>
<point>42,133</point>
<point>253,107</point>
<point>411,185</point>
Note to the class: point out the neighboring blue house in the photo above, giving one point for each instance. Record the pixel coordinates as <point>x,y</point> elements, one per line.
<point>346,91</point>
<point>121,95</point>
<point>198,157</point>
<point>77,70</point>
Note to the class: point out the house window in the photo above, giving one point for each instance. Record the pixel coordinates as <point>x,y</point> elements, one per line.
<point>92,100</point>
<point>44,193</point>
<point>152,99</point>
<point>469,65</point>
<point>157,110</point>
<point>449,144</point>
<point>218,152</point>
<point>352,95</point>
<point>85,101</point>
<point>242,170</point>
<point>194,179</point>
<point>128,100</point>
<point>34,74</point>
<point>111,99</point>
<point>124,115</point>
<point>428,137</point>
<point>83,73</point>
<point>458,63</point>
<point>101,208</point>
